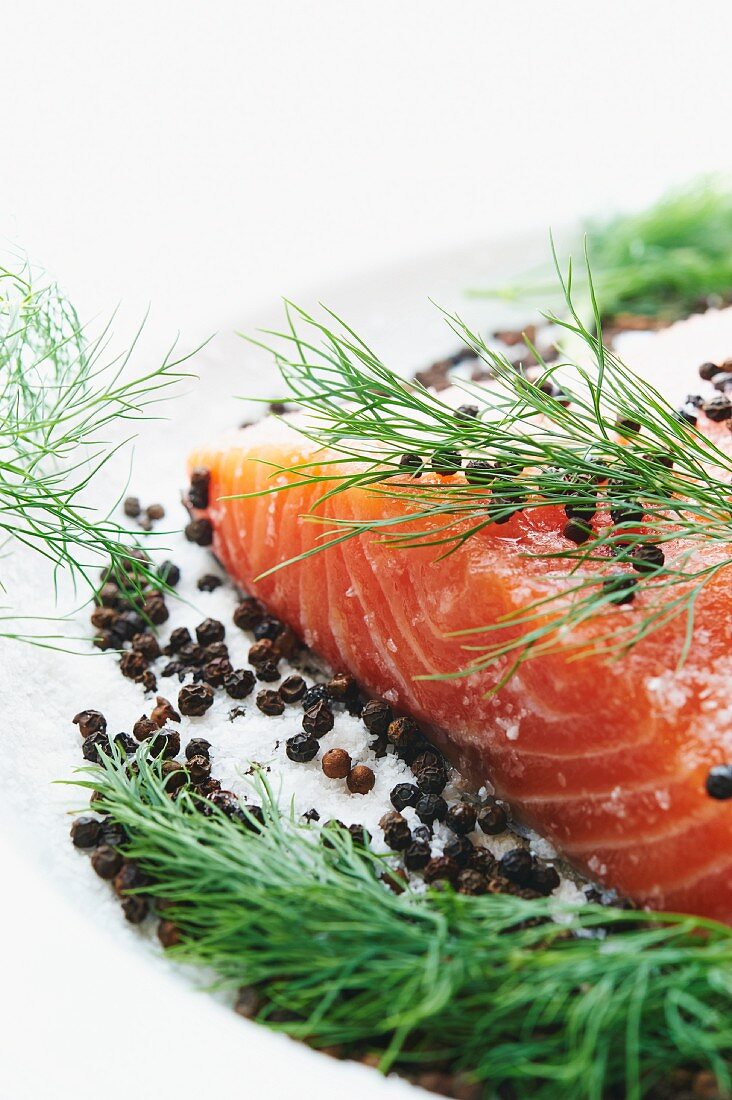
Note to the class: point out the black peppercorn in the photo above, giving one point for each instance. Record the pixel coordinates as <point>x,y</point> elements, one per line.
<point>359,835</point>
<point>165,743</point>
<point>517,865</point>
<point>441,868</point>
<point>482,860</point>
<point>178,638</point>
<point>479,471</point>
<point>147,645</point>
<point>718,408</point>
<point>199,487</point>
<point>397,834</point>
<point>268,672</point>
<point>215,651</point>
<point>105,861</point>
<point>195,699</point>
<point>466,412</point>
<point>626,425</point>
<point>149,681</point>
<point>103,618</point>
<point>209,582</point>
<point>135,908</point>
<point>199,768</point>
<point>163,712</point>
<point>260,653</point>
<point>445,461</point>
<point>647,558</point>
<point>627,512</point>
<point>292,689</point>
<point>313,695</point>
<point>131,507</point>
<point>198,746</point>
<point>108,594</point>
<point>247,1002</point>
<point>430,808</point>
<point>267,628</point>
<point>707,371</point>
<point>544,879</point>
<point>132,665</point>
<point>427,759</point>
<point>215,672</point>
<point>106,640</point>
<point>112,833</point>
<point>432,779</point>
<point>403,795</point>
<point>461,818</point>
<point>404,733</point>
<point>239,683</point>
<point>199,531</point>
<point>168,933</point>
<point>270,703</point>
<point>318,719</point>
<point>620,587</point>
<point>192,653</point>
<point>686,416</point>
<point>577,531</point>
<point>90,721</point>
<point>144,727</point>
<point>154,609</point>
<point>301,748</point>
<point>719,782</point>
<point>492,818</point>
<point>248,613</point>
<point>210,630</point>
<point>472,882</point>
<point>422,832</point>
<point>85,832</point>
<point>341,687</point>
<point>417,855</point>
<point>93,745</point>
<point>459,849</point>
<point>125,743</point>
<point>169,573</point>
<point>127,625</point>
<point>376,716</point>
<point>411,463</point>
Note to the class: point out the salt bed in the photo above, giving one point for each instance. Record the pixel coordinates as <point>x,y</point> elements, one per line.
<point>45,688</point>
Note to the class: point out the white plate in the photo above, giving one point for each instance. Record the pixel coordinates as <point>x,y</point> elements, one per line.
<point>82,984</point>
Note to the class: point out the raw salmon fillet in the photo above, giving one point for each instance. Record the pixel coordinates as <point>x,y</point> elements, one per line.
<point>607,759</point>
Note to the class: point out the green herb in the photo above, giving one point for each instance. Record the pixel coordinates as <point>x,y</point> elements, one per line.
<point>662,262</point>
<point>58,398</point>
<point>606,1002</point>
<point>549,453</point>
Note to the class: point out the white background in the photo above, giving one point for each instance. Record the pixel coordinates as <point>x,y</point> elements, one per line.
<point>209,157</point>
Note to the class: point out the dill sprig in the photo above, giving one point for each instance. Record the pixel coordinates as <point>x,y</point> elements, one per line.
<point>59,395</point>
<point>661,262</point>
<point>541,448</point>
<point>560,1000</point>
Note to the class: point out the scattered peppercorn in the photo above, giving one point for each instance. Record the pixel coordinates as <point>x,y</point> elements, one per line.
<point>144,727</point>
<point>461,818</point>
<point>85,832</point>
<point>112,833</point>
<point>260,653</point>
<point>627,426</point>
<point>544,879</point>
<point>479,471</point>
<point>127,625</point>
<point>719,782</point>
<point>199,767</point>
<point>446,461</point>
<point>466,412</point>
<point>718,408</point>
<point>577,531</point>
<point>647,558</point>
<point>239,683</point>
<point>209,582</point>
<point>313,695</point>
<point>215,672</point>
<point>108,595</point>
<point>376,716</point>
<point>163,712</point>
<point>417,855</point>
<point>166,742</point>
<point>168,933</point>
<point>620,587</point>
<point>155,512</point>
<point>270,703</point>
<point>432,779</point>
<point>482,860</point>
<point>179,637</point>
<point>458,848</point>
<point>286,642</point>
<point>627,512</point>
<point>336,763</point>
<point>404,733</point>
<point>131,507</point>
<point>90,721</point>
<point>247,1002</point>
<point>441,868</point>
<point>301,748</point>
<point>471,882</point>
<point>248,613</point>
<point>132,665</point>
<point>199,531</point>
<point>403,795</point>
<point>155,609</point>
<point>397,834</point>
<point>197,746</point>
<point>707,371</point>
<point>341,687</point>
<point>174,775</point>
<point>411,462</point>
<point>267,628</point>
<point>359,835</point>
<point>125,743</point>
<point>686,416</point>
<point>492,818</point>
<point>517,865</point>
<point>135,908</point>
<point>105,861</point>
<point>169,573</point>
<point>192,653</point>
<point>199,487</point>
<point>292,689</point>
<point>147,645</point>
<point>210,630</point>
<point>430,808</point>
<point>318,719</point>
<point>106,640</point>
<point>149,681</point>
<point>103,618</point>
<point>360,780</point>
<point>195,699</point>
<point>427,759</point>
<point>268,672</point>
